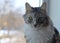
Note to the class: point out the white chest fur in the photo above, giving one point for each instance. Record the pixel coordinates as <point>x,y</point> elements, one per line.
<point>40,36</point>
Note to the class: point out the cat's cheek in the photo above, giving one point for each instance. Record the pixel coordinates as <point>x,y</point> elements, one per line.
<point>26,22</point>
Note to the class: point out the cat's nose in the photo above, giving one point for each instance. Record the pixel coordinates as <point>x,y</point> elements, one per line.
<point>35,25</point>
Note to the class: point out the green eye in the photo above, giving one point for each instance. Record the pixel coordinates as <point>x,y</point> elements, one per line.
<point>30,18</point>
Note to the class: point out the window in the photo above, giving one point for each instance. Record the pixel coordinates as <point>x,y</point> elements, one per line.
<point>11,21</point>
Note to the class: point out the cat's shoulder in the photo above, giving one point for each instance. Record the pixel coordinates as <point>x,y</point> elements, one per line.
<point>56,31</point>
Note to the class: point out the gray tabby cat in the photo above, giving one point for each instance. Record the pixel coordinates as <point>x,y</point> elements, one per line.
<point>38,26</point>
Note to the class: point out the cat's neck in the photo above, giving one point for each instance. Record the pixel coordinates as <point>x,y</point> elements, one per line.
<point>39,34</point>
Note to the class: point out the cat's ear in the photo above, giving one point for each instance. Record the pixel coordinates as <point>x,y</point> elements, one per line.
<point>28,7</point>
<point>43,6</point>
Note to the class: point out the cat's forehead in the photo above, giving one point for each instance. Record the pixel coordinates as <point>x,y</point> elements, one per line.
<point>36,9</point>
<point>39,12</point>
<point>36,12</point>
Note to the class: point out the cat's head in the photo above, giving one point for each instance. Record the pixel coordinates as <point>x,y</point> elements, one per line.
<point>36,16</point>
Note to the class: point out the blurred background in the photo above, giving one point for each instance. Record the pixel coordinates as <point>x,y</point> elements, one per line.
<point>11,20</point>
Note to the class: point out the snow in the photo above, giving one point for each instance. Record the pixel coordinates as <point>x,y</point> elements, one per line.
<point>14,36</point>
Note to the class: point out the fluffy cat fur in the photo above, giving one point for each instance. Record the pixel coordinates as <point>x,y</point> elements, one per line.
<point>38,25</point>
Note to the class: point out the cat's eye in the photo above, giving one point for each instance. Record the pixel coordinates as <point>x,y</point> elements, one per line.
<point>30,18</point>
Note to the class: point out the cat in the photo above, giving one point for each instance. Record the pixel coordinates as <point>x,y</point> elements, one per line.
<point>38,25</point>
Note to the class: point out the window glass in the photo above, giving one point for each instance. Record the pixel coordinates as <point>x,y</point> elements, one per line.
<point>11,20</point>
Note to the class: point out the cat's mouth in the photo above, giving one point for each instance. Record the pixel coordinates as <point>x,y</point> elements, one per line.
<point>37,25</point>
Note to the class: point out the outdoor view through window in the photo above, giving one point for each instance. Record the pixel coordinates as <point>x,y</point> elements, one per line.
<point>11,20</point>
